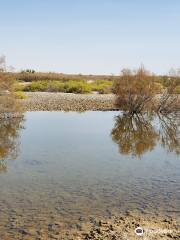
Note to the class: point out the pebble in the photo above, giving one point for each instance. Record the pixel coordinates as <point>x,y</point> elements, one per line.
<point>44,101</point>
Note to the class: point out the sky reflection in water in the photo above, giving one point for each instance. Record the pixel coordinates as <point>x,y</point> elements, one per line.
<point>72,164</point>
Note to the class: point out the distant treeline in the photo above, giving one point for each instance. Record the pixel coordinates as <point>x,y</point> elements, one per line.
<point>25,76</point>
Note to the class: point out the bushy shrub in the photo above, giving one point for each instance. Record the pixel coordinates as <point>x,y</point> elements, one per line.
<point>20,95</point>
<point>135,90</point>
<point>102,86</point>
<point>39,86</point>
<point>177,90</point>
<point>57,86</point>
<point>76,87</point>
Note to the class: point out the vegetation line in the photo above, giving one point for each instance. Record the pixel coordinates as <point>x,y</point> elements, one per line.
<point>136,90</point>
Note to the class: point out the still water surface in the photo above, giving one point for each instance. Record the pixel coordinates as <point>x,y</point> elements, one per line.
<point>71,166</point>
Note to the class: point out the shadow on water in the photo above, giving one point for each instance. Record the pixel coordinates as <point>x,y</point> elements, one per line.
<point>9,139</point>
<point>138,134</point>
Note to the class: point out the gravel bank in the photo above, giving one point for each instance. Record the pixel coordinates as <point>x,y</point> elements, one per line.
<point>44,101</point>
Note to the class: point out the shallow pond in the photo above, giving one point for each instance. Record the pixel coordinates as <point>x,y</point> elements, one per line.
<point>66,167</point>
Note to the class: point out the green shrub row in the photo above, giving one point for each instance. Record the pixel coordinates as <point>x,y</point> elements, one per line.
<point>100,86</point>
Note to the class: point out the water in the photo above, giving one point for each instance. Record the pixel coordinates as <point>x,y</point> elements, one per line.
<point>64,167</point>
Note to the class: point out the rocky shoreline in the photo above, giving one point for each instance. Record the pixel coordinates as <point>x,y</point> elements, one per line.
<point>45,101</point>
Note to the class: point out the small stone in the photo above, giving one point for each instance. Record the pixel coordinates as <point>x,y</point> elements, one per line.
<point>23,231</point>
<point>111,227</point>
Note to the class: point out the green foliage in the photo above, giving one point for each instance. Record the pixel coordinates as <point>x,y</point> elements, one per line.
<point>57,86</point>
<point>177,90</point>
<point>170,82</point>
<point>18,87</point>
<point>58,82</point>
<point>39,86</point>
<point>69,86</point>
<point>76,87</point>
<point>102,86</point>
<point>20,95</point>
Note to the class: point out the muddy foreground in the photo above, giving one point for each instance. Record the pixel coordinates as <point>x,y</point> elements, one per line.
<point>114,228</point>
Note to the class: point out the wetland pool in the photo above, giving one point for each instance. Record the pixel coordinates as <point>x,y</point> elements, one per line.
<point>71,167</point>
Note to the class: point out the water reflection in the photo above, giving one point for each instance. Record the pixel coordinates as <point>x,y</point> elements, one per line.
<point>137,134</point>
<point>9,139</point>
<point>69,169</point>
<point>169,132</point>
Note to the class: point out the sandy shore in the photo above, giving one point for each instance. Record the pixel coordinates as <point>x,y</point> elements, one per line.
<point>43,101</point>
<point>122,227</point>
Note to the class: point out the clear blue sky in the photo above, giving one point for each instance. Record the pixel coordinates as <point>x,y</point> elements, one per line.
<point>90,36</point>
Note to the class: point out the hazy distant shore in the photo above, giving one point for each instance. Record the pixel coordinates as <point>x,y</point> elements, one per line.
<point>44,101</point>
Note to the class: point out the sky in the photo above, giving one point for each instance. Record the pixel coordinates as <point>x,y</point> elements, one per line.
<point>90,36</point>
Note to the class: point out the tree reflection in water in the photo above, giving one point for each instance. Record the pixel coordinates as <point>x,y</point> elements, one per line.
<point>138,134</point>
<point>9,139</point>
<point>169,132</point>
